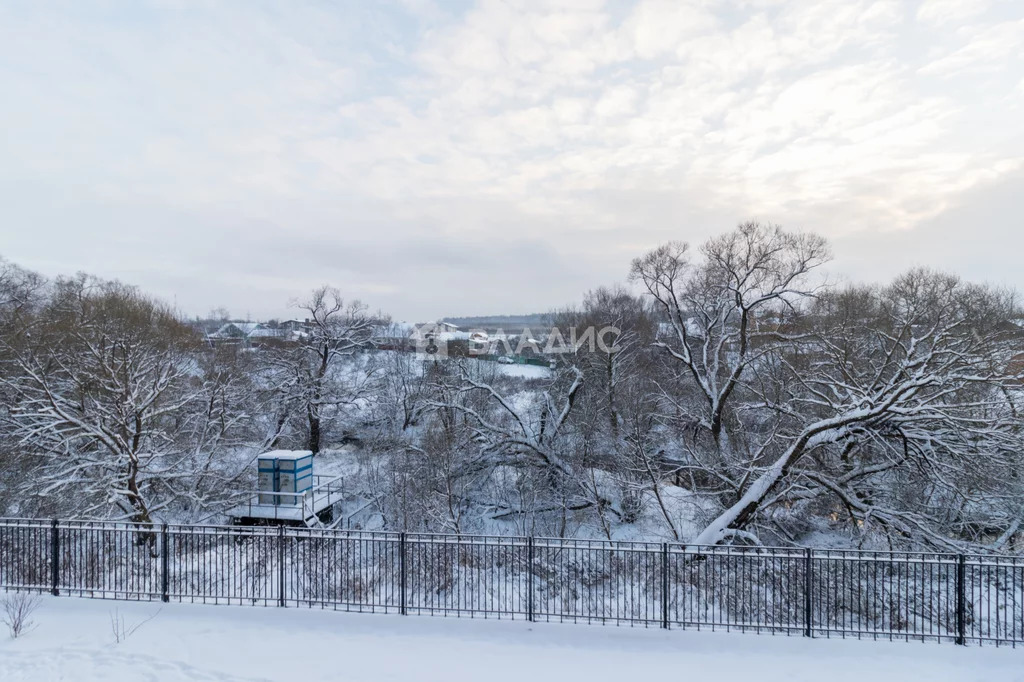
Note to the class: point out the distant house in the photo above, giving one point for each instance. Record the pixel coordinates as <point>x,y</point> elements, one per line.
<point>395,336</point>
<point>294,326</point>
<point>264,332</point>
<point>436,330</point>
<point>254,333</point>
<point>430,336</point>
<point>234,331</point>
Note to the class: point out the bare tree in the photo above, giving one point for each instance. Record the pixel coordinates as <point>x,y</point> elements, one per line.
<point>898,403</point>
<point>98,379</point>
<point>515,435</point>
<point>22,292</point>
<point>401,390</point>
<point>307,375</point>
<point>740,396</point>
<point>526,432</point>
<point>224,418</point>
<point>18,608</point>
<point>717,310</point>
<point>615,388</point>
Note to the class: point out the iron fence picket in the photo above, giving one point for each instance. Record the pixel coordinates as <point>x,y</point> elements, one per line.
<point>738,588</point>
<point>223,565</point>
<point>598,581</point>
<point>472,576</point>
<point>821,593</point>
<point>891,595</point>
<point>25,555</point>
<point>994,600</point>
<point>108,560</point>
<point>343,570</point>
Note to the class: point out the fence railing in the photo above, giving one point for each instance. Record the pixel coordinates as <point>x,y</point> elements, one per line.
<point>809,592</point>
<point>291,506</point>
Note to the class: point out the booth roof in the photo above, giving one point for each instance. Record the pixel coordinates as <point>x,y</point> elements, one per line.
<point>286,454</point>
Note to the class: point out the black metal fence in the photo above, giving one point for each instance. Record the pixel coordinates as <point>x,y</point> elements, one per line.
<point>809,592</point>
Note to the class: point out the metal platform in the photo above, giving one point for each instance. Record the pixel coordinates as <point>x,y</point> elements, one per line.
<point>315,503</point>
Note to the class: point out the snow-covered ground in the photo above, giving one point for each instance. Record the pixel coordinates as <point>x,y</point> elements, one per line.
<point>525,371</point>
<point>74,640</point>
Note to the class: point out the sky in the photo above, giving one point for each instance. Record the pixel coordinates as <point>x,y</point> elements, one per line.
<point>436,158</point>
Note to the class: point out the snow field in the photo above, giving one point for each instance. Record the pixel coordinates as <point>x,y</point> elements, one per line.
<point>73,640</point>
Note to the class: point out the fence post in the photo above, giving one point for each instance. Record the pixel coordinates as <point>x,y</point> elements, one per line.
<point>165,563</point>
<point>961,599</point>
<point>664,585</point>
<point>401,571</point>
<point>54,558</point>
<point>808,587</point>
<point>529,579</point>
<point>280,565</point>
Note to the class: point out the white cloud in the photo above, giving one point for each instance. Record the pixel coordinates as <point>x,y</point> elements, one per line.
<point>510,121</point>
<point>658,27</point>
<point>988,48</point>
<point>938,12</point>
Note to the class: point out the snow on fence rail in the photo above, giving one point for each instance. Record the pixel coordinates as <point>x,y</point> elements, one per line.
<point>815,593</point>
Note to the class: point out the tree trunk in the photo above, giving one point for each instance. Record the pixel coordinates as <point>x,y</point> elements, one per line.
<point>141,515</point>
<point>314,433</point>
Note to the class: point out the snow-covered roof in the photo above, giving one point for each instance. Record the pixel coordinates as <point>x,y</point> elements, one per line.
<point>265,332</point>
<point>235,328</point>
<point>442,331</point>
<point>286,454</point>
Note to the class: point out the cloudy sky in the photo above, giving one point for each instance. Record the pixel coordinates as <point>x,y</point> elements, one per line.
<point>438,158</point>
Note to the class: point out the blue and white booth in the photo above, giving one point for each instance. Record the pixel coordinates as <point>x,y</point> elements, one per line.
<point>287,492</point>
<point>282,472</point>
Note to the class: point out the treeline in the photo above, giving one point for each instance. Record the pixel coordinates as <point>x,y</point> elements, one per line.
<point>485,321</point>
<point>745,400</point>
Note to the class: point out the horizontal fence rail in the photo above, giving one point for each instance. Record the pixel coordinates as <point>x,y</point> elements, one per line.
<point>794,591</point>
